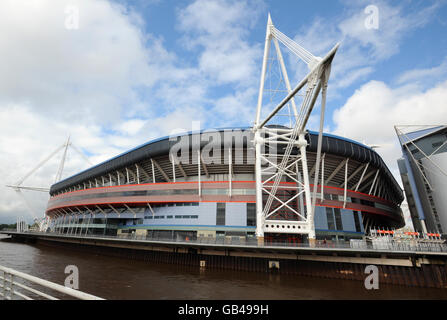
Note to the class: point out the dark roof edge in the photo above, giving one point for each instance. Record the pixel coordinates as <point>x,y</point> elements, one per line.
<point>331,144</point>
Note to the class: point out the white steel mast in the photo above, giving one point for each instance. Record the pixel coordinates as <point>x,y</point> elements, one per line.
<point>271,169</point>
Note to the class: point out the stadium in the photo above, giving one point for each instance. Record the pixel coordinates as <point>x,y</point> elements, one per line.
<point>202,185</point>
<point>274,181</point>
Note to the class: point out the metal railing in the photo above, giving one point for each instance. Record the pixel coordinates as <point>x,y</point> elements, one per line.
<point>409,246</point>
<point>12,287</point>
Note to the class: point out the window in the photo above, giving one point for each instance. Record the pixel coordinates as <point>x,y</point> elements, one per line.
<point>251,214</point>
<point>136,222</point>
<point>178,217</point>
<point>330,219</point>
<point>220,214</point>
<point>367,203</point>
<point>357,221</point>
<point>159,217</point>
<point>168,217</point>
<point>195,204</point>
<point>195,217</point>
<point>338,222</point>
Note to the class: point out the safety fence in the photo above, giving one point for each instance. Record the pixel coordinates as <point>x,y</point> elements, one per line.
<point>16,285</point>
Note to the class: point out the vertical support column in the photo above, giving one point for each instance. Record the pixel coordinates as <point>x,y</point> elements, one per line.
<point>153,171</point>
<point>285,76</point>
<point>424,227</point>
<point>300,189</point>
<point>118,175</point>
<point>127,175</point>
<point>173,167</point>
<point>230,170</point>
<point>264,68</point>
<point>309,208</point>
<point>63,224</point>
<point>74,222</point>
<point>346,183</point>
<point>375,188</point>
<point>361,177</point>
<point>110,179</point>
<point>70,224</point>
<point>258,174</point>
<point>322,177</point>
<point>75,227</point>
<point>199,173</point>
<point>105,224</point>
<point>310,219</point>
<point>138,173</point>
<point>374,181</point>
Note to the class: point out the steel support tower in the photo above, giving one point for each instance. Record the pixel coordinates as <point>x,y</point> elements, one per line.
<point>273,167</point>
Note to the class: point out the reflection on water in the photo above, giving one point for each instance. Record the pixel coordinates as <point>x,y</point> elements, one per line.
<point>118,278</point>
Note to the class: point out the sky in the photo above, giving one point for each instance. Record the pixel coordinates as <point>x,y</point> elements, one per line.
<point>113,74</point>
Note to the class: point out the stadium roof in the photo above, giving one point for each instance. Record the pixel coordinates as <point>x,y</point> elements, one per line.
<point>332,144</point>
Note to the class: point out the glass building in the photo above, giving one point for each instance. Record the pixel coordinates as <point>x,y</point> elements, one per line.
<point>423,169</point>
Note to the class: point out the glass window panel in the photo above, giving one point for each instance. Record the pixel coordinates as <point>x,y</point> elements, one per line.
<point>220,214</point>
<point>330,219</point>
<point>338,221</point>
<point>251,214</point>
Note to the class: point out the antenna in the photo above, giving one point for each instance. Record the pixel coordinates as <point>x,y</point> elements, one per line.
<point>18,186</point>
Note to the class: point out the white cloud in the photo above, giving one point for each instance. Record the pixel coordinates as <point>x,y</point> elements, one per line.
<point>131,127</point>
<point>371,113</point>
<point>57,82</point>
<point>361,48</point>
<point>82,74</point>
<point>421,76</point>
<point>221,28</point>
<point>110,84</point>
<point>394,24</point>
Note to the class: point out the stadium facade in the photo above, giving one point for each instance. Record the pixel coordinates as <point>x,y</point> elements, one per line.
<point>241,182</point>
<point>203,185</point>
<point>423,169</point>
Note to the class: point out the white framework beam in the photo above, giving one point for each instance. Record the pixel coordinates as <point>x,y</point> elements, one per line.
<point>276,167</point>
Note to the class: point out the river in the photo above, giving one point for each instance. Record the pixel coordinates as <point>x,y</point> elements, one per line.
<point>118,278</point>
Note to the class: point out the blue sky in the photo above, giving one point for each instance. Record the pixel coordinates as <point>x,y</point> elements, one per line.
<point>132,71</point>
<point>415,41</point>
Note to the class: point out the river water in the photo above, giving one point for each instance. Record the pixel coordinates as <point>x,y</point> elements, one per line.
<point>119,278</point>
